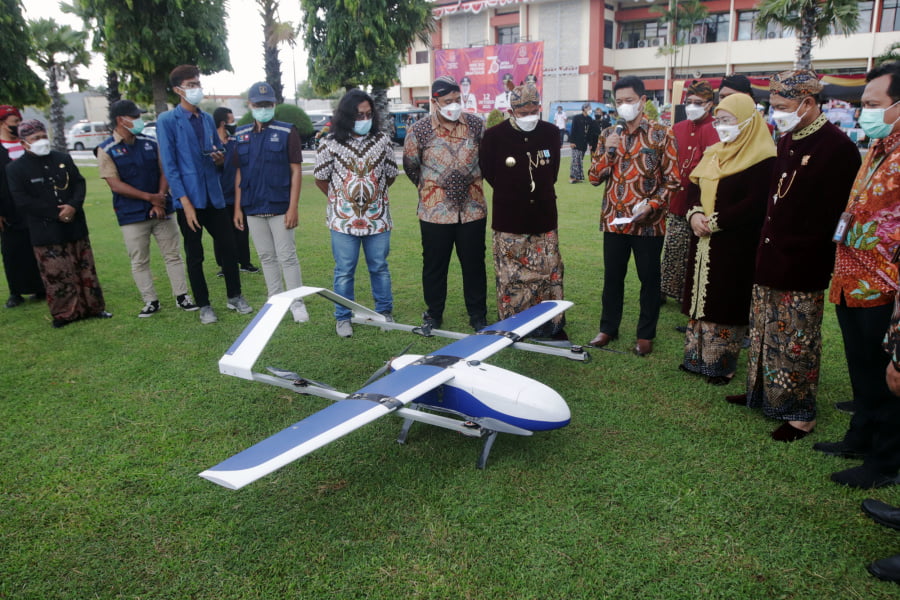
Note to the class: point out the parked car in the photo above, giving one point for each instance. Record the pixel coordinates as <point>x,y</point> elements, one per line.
<point>319,119</point>
<point>87,135</point>
<point>401,118</point>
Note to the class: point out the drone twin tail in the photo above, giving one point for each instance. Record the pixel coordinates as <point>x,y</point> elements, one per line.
<point>482,400</point>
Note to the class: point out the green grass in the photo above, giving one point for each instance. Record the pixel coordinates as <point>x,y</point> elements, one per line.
<point>658,488</point>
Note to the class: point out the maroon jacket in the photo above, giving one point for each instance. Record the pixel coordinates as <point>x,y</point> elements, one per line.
<point>693,138</point>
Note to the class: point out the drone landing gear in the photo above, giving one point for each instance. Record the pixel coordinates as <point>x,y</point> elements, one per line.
<point>467,428</point>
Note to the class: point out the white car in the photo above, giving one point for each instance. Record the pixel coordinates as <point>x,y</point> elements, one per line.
<point>87,135</point>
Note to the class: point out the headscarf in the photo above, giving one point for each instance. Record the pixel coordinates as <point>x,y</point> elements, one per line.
<point>30,127</point>
<point>701,89</point>
<point>753,145</point>
<point>527,93</point>
<point>443,85</point>
<point>796,84</point>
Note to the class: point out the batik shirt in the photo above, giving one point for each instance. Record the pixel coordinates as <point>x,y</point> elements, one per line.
<point>358,171</point>
<point>645,167</point>
<point>892,339</point>
<point>442,161</point>
<point>864,274</point>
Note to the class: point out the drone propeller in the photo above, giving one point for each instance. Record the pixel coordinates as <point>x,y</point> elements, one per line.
<point>387,365</point>
<point>296,379</point>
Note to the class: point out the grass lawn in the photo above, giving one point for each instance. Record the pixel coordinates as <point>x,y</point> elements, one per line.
<point>658,488</point>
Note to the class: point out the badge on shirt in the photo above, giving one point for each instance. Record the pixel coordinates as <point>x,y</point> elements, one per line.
<point>119,151</point>
<point>243,138</point>
<point>148,146</point>
<point>274,137</point>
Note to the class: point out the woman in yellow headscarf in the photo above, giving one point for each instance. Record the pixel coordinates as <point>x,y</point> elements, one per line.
<point>727,197</point>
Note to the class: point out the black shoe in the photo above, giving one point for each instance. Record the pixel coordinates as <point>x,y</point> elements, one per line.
<point>39,296</point>
<point>681,328</point>
<point>428,324</point>
<point>221,273</point>
<point>886,569</point>
<point>14,301</point>
<point>249,268</point>
<point>864,478</point>
<point>478,324</point>
<point>848,406</point>
<point>60,323</point>
<point>103,315</point>
<point>150,309</point>
<point>839,449</point>
<point>881,513</point>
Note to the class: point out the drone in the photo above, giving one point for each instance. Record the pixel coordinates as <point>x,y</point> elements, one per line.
<point>452,387</point>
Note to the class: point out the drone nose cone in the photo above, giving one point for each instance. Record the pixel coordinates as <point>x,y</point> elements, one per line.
<point>546,406</point>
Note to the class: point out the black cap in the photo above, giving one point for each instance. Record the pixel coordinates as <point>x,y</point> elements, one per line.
<point>124,108</point>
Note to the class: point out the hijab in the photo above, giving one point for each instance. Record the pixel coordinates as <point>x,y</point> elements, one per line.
<point>753,145</point>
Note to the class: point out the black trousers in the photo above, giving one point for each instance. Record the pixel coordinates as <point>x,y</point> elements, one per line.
<point>219,224</point>
<point>875,426</point>
<point>241,243</point>
<point>438,241</point>
<point>617,250</point>
<point>19,264</point>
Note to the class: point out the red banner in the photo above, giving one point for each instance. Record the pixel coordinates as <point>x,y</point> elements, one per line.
<point>482,72</point>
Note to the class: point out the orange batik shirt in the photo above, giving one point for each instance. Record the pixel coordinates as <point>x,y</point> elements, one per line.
<point>864,274</point>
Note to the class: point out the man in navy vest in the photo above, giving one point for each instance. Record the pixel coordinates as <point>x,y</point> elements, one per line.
<point>267,192</point>
<point>129,162</point>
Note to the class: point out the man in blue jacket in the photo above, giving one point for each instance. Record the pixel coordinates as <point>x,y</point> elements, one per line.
<point>191,150</point>
<point>129,162</point>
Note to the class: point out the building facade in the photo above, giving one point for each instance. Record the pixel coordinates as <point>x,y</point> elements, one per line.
<point>588,44</point>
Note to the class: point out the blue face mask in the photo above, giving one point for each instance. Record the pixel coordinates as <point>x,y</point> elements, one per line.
<point>872,122</point>
<point>362,127</point>
<point>194,96</point>
<point>263,115</point>
<point>137,126</point>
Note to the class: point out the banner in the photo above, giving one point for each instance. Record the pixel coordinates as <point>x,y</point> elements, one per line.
<point>482,72</point>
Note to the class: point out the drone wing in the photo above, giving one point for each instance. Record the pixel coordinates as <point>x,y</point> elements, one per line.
<point>337,420</point>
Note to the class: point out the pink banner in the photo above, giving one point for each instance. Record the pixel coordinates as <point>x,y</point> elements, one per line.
<point>483,71</point>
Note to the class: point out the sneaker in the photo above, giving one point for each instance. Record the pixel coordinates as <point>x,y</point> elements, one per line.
<point>344,328</point>
<point>429,322</point>
<point>150,309</point>
<point>208,315</point>
<point>186,303</point>
<point>389,317</point>
<point>249,268</point>
<point>239,304</point>
<point>298,310</point>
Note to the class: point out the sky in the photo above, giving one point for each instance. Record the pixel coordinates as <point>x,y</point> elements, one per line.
<point>245,40</point>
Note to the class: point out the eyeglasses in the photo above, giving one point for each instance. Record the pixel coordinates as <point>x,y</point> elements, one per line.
<point>364,116</point>
<point>189,85</point>
<point>694,102</point>
<point>724,121</point>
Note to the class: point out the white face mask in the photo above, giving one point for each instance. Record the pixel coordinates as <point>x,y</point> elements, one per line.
<point>528,123</point>
<point>729,133</point>
<point>694,112</point>
<point>786,121</point>
<point>40,147</point>
<point>451,112</point>
<point>193,95</point>
<point>629,112</point>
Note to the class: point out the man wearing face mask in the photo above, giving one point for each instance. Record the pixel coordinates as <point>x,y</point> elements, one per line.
<point>865,285</point>
<point>440,156</point>
<point>267,183</point>
<point>48,191</point>
<point>223,117</point>
<point>814,169</point>
<point>520,159</point>
<point>19,265</point>
<point>129,162</point>
<point>693,135</point>
<point>581,137</point>
<point>191,150</point>
<point>639,163</point>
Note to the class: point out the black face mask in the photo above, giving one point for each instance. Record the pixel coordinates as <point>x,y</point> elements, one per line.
<point>230,129</point>
<point>14,130</point>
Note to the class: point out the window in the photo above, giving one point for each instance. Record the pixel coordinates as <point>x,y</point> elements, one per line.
<point>608,33</point>
<point>747,28</point>
<point>421,57</point>
<point>864,25</point>
<point>714,28</point>
<point>642,34</point>
<point>890,15</point>
<point>508,35</point>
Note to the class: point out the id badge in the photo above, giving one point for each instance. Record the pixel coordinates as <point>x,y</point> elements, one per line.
<point>843,226</point>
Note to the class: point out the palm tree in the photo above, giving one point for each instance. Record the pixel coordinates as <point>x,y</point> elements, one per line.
<point>59,51</point>
<point>810,19</point>
<point>275,33</point>
<point>891,53</point>
<point>94,22</point>
<point>682,17</point>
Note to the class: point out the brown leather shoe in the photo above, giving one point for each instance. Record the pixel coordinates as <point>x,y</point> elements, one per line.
<point>601,340</point>
<point>643,347</point>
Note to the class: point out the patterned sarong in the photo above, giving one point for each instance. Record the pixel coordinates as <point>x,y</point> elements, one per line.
<point>529,270</point>
<point>712,349</point>
<point>675,256</point>
<point>785,350</point>
<point>73,290</point>
<point>576,170</point>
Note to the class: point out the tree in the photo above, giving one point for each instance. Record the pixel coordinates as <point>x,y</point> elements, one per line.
<point>19,85</point>
<point>810,19</point>
<point>891,53</point>
<point>275,33</point>
<point>93,22</point>
<point>59,51</point>
<point>362,42</point>
<point>681,17</point>
<point>146,39</point>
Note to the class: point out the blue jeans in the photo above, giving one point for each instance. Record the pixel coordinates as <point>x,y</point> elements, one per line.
<point>345,249</point>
